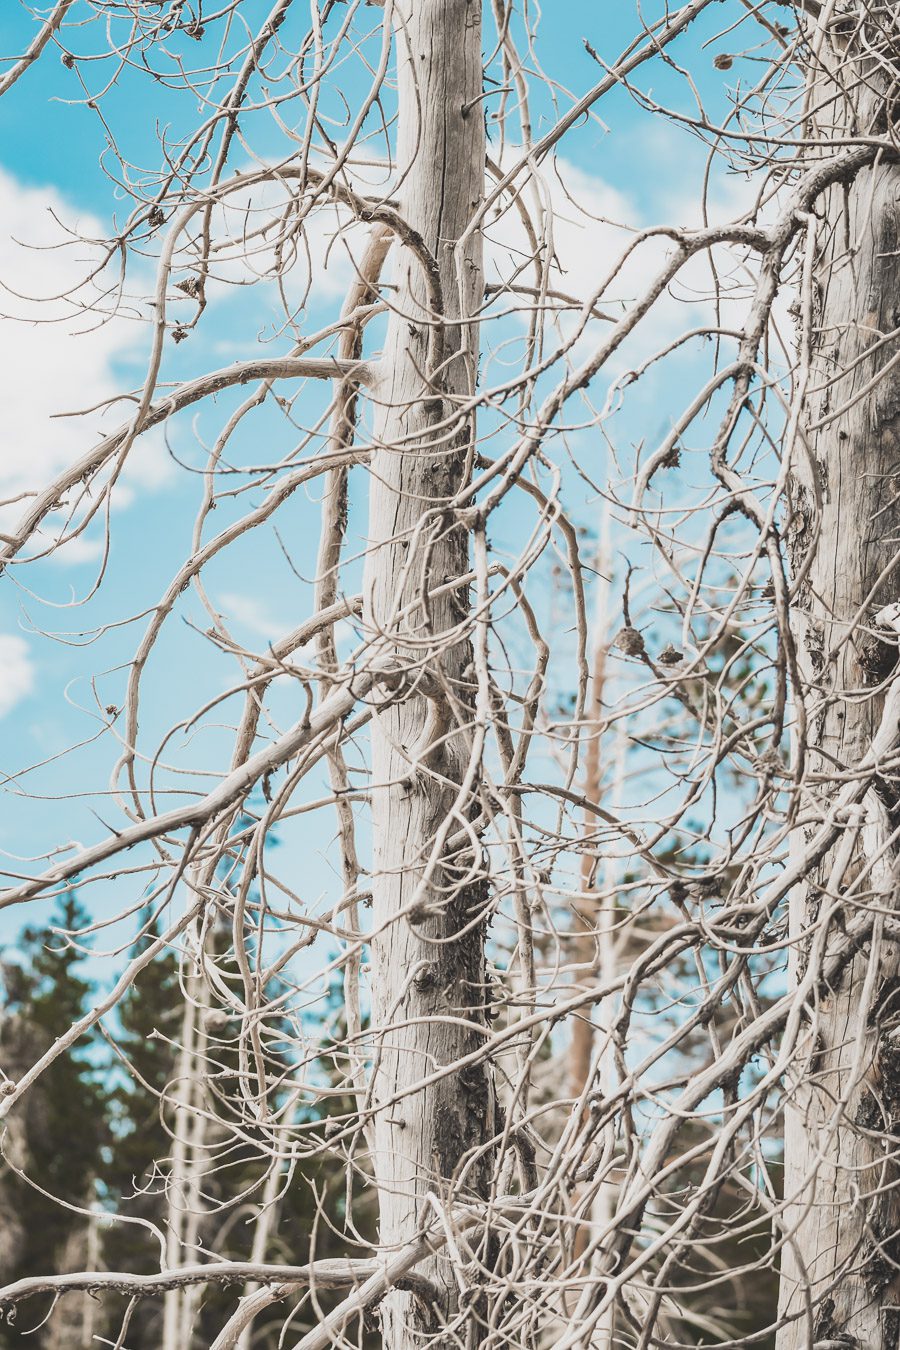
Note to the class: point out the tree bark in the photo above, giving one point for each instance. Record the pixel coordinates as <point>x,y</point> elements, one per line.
<point>178,1186</point>
<point>842,1214</point>
<point>596,945</point>
<point>428,964</point>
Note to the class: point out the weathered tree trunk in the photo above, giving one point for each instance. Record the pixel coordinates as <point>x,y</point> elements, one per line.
<point>421,738</point>
<point>596,942</point>
<point>843,1207</point>
<point>179,1186</point>
<point>266,1225</point>
<point>589,917</point>
<point>184,1190</point>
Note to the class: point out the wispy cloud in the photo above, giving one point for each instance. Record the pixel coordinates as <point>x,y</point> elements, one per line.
<point>252,614</point>
<point>57,354</point>
<point>17,673</point>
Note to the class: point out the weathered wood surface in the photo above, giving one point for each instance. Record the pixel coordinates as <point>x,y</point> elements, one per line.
<point>844,1208</point>
<point>422,973</point>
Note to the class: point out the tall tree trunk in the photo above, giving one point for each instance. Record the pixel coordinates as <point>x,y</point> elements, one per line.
<point>178,1185</point>
<point>591,917</point>
<point>843,1208</point>
<point>423,975</point>
<point>596,942</point>
<point>267,1221</point>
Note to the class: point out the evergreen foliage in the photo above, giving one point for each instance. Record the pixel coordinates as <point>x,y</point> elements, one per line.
<point>134,1173</point>
<point>60,1137</point>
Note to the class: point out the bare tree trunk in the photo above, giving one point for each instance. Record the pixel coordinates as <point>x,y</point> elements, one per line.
<point>267,1222</point>
<point>177,1189</point>
<point>422,736</point>
<point>196,1163</point>
<point>595,941</point>
<point>842,1215</point>
<point>587,946</point>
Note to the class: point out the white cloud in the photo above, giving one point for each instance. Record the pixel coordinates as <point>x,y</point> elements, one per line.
<point>591,221</point>
<point>50,364</point>
<point>16,671</point>
<point>582,217</point>
<point>251,614</point>
<point>587,224</point>
<point>319,262</point>
<point>77,362</point>
<point>57,357</point>
<point>83,548</point>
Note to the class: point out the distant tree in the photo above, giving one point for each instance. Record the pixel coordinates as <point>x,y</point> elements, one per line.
<point>135,1170</point>
<point>55,1144</point>
<point>247,1206</point>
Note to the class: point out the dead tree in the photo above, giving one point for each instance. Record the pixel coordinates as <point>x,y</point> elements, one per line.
<point>553,1013</point>
<point>842,1214</point>
<point>429,989</point>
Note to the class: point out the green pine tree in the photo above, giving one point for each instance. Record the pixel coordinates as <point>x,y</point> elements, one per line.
<point>58,1136</point>
<point>134,1175</point>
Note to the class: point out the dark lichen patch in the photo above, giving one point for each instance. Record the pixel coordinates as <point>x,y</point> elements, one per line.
<point>889,1074</point>
<point>877,660</point>
<point>886,1006</point>
<point>879,1111</point>
<point>881,1266</point>
<point>826,1328</point>
<point>817,1059</point>
<point>868,1112</point>
<point>879,1270</point>
<point>888,788</point>
<point>890,1329</point>
<point>462,1122</point>
<point>815,650</point>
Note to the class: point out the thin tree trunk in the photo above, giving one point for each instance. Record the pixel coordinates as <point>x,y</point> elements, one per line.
<point>422,738</point>
<point>71,1318</point>
<point>177,1186</point>
<point>197,1161</point>
<point>90,1307</point>
<point>587,948</point>
<point>342,433</point>
<point>599,946</point>
<point>595,941</point>
<point>613,956</point>
<point>266,1223</point>
<point>843,1213</point>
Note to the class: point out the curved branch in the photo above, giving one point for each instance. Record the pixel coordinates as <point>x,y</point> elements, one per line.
<point>327,1274</point>
<point>50,26</point>
<point>242,372</point>
<point>233,787</point>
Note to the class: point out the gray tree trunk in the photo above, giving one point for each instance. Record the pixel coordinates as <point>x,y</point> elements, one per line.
<point>422,973</point>
<point>840,1180</point>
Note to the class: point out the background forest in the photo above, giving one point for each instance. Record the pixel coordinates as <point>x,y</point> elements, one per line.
<point>96,1140</point>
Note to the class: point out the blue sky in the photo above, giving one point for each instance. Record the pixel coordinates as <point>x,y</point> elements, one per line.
<point>635,168</point>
